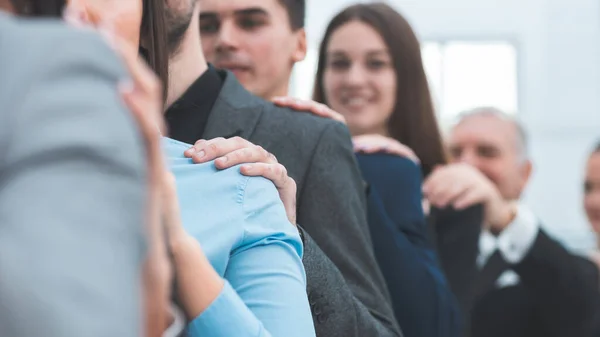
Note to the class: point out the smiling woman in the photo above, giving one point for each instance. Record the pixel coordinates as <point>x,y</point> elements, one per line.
<point>379,85</point>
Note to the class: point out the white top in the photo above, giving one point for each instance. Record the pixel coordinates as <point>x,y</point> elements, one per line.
<point>514,243</point>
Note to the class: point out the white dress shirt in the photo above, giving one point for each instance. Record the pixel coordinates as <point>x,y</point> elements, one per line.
<point>514,243</point>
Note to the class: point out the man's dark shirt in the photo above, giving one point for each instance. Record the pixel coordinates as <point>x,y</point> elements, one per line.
<point>188,116</point>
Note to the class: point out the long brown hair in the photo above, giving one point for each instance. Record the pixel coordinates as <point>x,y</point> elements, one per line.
<point>153,29</point>
<point>413,121</point>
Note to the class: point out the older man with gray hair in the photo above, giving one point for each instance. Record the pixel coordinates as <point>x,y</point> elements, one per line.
<point>528,284</point>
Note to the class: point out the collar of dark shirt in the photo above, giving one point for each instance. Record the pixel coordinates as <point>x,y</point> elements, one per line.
<point>187,117</point>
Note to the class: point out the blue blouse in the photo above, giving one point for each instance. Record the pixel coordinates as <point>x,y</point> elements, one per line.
<point>244,231</point>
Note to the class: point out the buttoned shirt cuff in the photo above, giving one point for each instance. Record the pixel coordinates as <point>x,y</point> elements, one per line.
<point>227,316</point>
<point>516,239</point>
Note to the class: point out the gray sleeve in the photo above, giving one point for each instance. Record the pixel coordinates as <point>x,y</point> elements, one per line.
<point>72,192</point>
<point>346,289</point>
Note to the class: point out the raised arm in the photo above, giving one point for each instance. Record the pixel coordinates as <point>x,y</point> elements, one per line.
<point>71,195</point>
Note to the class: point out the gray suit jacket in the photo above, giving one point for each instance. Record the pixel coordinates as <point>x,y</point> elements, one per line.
<point>72,187</point>
<point>346,289</point>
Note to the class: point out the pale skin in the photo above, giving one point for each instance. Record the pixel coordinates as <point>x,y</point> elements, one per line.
<point>488,168</point>
<point>197,281</point>
<point>359,83</point>
<point>253,39</point>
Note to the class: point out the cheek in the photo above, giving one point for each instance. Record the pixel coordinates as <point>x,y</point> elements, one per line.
<point>127,20</point>
<point>331,87</point>
<point>491,169</point>
<point>386,87</point>
<point>208,47</point>
<point>592,200</point>
<point>266,59</point>
<point>587,202</point>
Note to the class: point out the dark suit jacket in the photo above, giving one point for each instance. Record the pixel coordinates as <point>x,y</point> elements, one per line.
<point>423,301</point>
<point>346,289</point>
<point>557,297</point>
<point>456,237</point>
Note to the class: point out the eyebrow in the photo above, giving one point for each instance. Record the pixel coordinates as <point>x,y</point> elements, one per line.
<point>208,15</point>
<point>337,53</point>
<point>374,52</point>
<point>240,12</point>
<point>252,11</point>
<point>378,52</point>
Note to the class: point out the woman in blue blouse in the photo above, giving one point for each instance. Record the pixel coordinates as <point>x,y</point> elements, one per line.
<point>235,254</point>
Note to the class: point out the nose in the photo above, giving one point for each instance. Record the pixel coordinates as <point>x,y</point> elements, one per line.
<point>468,156</point>
<point>228,37</point>
<point>356,74</point>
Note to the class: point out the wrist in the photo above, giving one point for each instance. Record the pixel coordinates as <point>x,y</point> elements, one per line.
<point>506,213</point>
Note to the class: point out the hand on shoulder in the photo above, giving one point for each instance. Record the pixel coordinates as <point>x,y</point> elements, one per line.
<point>255,160</point>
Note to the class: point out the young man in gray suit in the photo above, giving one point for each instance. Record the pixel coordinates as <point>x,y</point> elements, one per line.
<point>72,186</point>
<point>346,290</point>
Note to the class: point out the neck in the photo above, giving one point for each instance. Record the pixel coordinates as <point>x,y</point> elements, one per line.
<point>281,91</point>
<point>188,64</point>
<point>382,131</point>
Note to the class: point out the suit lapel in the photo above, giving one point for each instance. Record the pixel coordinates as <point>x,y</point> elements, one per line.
<point>489,274</point>
<point>236,111</point>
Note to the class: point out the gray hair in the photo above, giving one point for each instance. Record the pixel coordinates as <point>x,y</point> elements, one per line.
<point>522,140</point>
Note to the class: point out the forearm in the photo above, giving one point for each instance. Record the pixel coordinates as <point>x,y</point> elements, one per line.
<point>457,236</point>
<point>210,303</point>
<point>197,281</point>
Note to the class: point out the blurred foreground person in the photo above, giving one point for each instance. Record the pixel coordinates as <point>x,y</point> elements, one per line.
<point>72,186</point>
